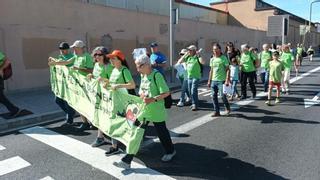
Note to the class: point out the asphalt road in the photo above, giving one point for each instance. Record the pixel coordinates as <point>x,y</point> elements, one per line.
<point>255,142</point>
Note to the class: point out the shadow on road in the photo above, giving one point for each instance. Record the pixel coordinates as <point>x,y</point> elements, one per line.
<point>194,161</point>
<point>272,119</point>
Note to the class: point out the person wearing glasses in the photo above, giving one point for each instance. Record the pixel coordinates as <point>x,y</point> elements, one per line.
<point>153,90</point>
<point>120,78</point>
<point>101,72</point>
<point>83,64</point>
<point>194,62</point>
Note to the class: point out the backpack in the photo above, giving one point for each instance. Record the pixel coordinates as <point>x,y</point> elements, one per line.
<point>130,91</point>
<point>168,99</point>
<point>7,72</point>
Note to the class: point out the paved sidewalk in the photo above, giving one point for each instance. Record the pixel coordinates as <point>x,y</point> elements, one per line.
<point>45,110</point>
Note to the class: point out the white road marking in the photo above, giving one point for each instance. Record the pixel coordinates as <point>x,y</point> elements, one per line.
<point>92,156</point>
<point>207,94</point>
<point>47,178</point>
<point>2,148</point>
<point>12,164</point>
<point>203,92</point>
<point>207,118</point>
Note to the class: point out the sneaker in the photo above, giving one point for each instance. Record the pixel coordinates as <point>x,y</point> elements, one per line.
<point>112,151</point>
<point>215,114</point>
<point>66,124</point>
<point>194,108</point>
<point>277,100</point>
<point>84,126</point>
<point>122,164</point>
<point>15,114</point>
<point>243,97</point>
<point>180,104</point>
<point>98,142</point>
<point>168,157</point>
<point>268,103</point>
<point>228,111</point>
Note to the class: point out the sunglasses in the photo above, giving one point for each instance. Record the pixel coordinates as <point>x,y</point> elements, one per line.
<point>97,55</point>
<point>140,66</point>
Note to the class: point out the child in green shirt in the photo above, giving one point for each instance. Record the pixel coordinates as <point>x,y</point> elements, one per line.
<point>275,73</point>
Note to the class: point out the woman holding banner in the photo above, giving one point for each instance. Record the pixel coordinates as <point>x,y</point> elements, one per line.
<point>153,90</point>
<point>101,72</point>
<point>120,78</point>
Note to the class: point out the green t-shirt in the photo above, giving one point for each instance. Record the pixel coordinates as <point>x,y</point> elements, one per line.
<point>299,51</point>
<point>83,61</point>
<point>193,67</point>
<point>287,59</point>
<point>247,61</point>
<point>101,70</point>
<point>265,57</point>
<point>1,58</point>
<point>218,68</point>
<point>120,76</point>
<point>154,112</point>
<point>275,73</point>
<point>66,57</point>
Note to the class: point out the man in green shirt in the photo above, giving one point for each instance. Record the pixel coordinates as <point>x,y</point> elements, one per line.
<point>14,111</point>
<point>219,74</point>
<point>265,58</point>
<point>287,60</point>
<point>194,62</point>
<point>248,71</point>
<point>82,63</point>
<point>70,112</point>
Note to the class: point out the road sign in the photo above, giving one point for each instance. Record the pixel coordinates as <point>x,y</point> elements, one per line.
<point>310,102</point>
<point>276,25</point>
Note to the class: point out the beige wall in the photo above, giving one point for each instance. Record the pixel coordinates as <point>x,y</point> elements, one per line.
<point>32,29</point>
<point>242,13</point>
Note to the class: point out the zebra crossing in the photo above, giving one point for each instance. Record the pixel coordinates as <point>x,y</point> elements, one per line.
<point>13,164</point>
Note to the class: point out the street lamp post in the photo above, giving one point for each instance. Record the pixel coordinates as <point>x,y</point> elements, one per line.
<point>171,46</point>
<point>311,14</point>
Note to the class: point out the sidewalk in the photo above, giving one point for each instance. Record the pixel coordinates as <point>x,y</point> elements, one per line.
<point>45,110</point>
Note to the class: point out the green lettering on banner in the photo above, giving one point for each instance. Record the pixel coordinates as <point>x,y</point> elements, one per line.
<point>113,112</point>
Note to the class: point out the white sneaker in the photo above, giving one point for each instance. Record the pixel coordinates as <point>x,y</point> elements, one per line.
<point>122,164</point>
<point>180,104</point>
<point>168,157</point>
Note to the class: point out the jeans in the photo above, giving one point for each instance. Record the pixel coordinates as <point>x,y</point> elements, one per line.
<point>234,87</point>
<point>66,108</point>
<point>3,99</point>
<point>184,90</point>
<point>193,89</point>
<point>244,78</point>
<point>265,81</point>
<point>216,86</point>
<point>164,137</point>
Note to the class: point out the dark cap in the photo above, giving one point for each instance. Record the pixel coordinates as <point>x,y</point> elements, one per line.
<point>64,46</point>
<point>154,44</point>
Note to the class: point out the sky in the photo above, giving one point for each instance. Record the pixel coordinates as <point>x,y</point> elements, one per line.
<point>298,7</point>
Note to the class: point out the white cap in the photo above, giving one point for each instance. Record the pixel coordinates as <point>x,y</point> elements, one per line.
<point>183,51</point>
<point>78,44</point>
<point>192,47</point>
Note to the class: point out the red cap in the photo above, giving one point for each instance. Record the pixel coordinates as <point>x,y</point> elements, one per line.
<point>118,54</point>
